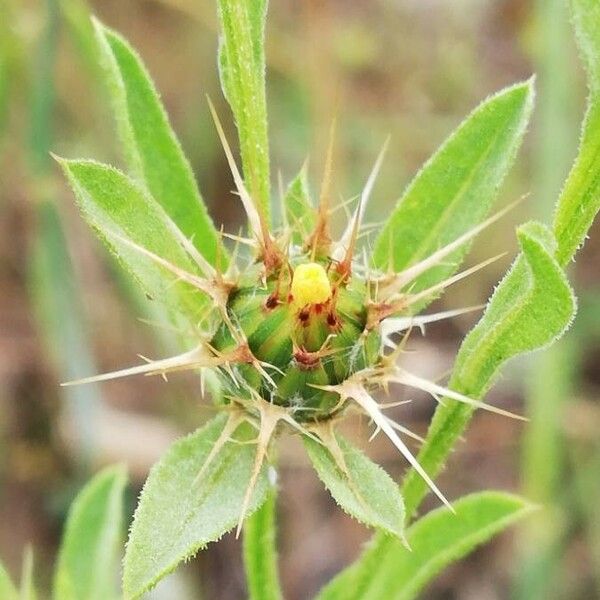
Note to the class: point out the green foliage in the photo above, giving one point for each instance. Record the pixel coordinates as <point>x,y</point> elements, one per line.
<point>518,318</point>
<point>153,152</point>
<point>191,497</point>
<point>242,69</point>
<point>114,204</point>
<point>435,541</point>
<point>76,16</point>
<point>531,307</point>
<point>90,547</point>
<point>580,199</point>
<point>197,491</point>
<point>7,587</point>
<point>61,324</point>
<point>299,212</point>
<point>260,552</point>
<point>361,487</point>
<point>457,186</point>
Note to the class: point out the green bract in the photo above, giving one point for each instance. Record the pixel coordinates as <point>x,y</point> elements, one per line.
<point>301,329</point>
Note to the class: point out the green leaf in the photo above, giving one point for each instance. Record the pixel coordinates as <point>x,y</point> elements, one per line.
<point>580,199</point>
<point>152,149</point>
<point>90,549</point>
<point>114,204</point>
<point>299,212</point>
<point>551,304</point>
<point>76,15</point>
<point>62,327</point>
<point>179,513</point>
<point>361,487</point>
<point>260,552</point>
<point>7,587</point>
<point>242,70</point>
<point>455,189</point>
<point>530,308</point>
<point>390,571</point>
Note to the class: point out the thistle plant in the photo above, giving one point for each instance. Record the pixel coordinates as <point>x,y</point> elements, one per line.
<point>293,329</point>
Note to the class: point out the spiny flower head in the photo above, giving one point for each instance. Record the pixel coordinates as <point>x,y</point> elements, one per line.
<point>303,332</point>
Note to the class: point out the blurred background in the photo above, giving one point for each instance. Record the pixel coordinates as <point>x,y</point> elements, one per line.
<point>409,68</point>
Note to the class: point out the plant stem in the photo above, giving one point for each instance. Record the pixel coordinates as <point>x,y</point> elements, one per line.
<point>260,553</point>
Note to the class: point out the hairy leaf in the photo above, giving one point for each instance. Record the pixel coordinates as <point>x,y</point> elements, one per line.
<point>7,587</point>
<point>242,69</point>
<point>580,199</point>
<point>179,512</point>
<point>153,151</point>
<point>390,571</point>
<point>260,552</point>
<point>361,487</point>
<point>455,189</point>
<point>90,549</point>
<point>530,308</point>
<point>114,204</point>
<point>299,212</point>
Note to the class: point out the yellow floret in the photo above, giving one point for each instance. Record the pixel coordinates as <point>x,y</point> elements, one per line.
<point>310,285</point>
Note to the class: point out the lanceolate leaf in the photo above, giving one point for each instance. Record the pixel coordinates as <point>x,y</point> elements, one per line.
<point>531,307</point>
<point>188,502</point>
<point>580,199</point>
<point>260,552</point>
<point>114,204</point>
<point>242,69</point>
<point>455,189</point>
<point>7,588</point>
<point>362,488</point>
<point>299,212</point>
<point>546,304</point>
<point>89,554</point>
<point>437,540</point>
<point>154,154</point>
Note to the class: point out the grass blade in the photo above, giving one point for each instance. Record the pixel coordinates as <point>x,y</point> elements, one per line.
<point>91,546</point>
<point>61,320</point>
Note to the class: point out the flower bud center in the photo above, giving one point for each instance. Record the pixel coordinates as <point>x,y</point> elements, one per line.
<point>310,285</point>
